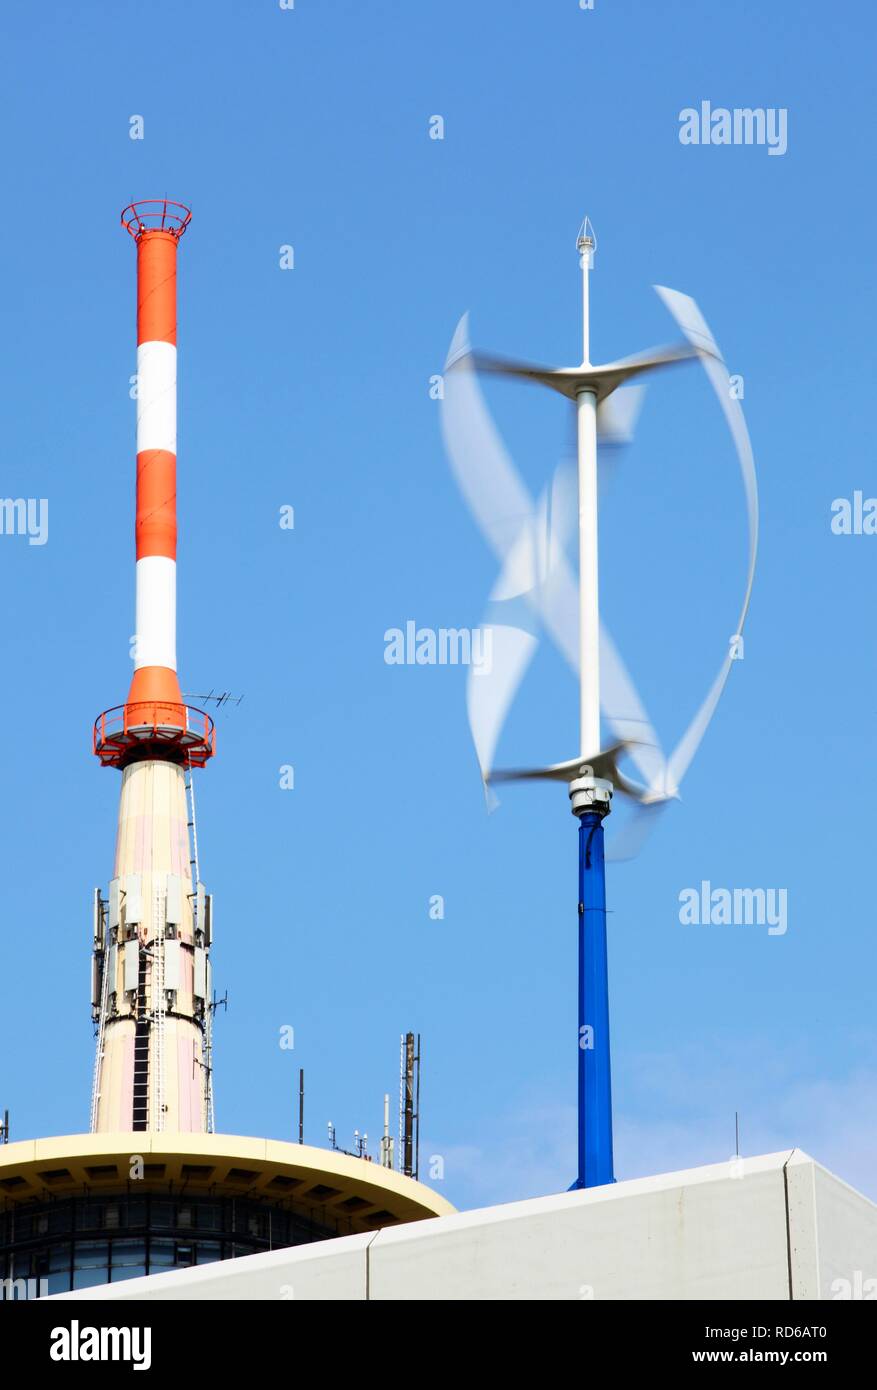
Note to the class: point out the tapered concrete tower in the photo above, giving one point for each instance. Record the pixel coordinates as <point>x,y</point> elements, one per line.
<point>151,977</point>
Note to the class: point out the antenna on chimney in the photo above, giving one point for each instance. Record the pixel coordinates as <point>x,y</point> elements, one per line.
<point>223,698</point>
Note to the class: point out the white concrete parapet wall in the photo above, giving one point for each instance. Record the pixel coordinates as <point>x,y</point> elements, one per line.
<point>774,1227</point>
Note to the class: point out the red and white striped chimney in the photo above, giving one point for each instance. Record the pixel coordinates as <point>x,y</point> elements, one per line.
<point>155,664</point>
<point>145,726</point>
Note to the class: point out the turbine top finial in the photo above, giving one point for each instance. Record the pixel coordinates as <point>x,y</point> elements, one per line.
<point>586,241</point>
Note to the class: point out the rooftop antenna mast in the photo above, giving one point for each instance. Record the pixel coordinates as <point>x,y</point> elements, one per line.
<point>528,541</point>
<point>386,1137</point>
<point>409,1105</point>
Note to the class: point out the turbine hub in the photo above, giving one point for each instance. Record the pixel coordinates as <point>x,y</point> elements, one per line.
<point>588,793</point>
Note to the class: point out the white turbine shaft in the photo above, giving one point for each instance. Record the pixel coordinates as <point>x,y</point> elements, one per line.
<point>589,608</point>
<point>586,311</point>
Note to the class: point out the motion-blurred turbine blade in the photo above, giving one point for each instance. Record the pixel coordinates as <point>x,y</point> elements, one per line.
<point>626,714</point>
<point>603,764</point>
<point>601,379</point>
<point>509,366</point>
<point>617,415</point>
<point>695,327</point>
<point>490,689</point>
<point>611,375</point>
<point>511,622</point>
<point>627,840</point>
<point>479,460</point>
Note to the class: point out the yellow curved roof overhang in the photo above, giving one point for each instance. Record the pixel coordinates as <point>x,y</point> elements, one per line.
<point>323,1184</point>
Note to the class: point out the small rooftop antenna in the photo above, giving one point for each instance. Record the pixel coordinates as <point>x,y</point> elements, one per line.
<point>386,1138</point>
<point>4,1128</point>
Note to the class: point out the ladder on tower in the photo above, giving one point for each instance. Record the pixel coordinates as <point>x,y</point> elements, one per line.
<point>208,1066</point>
<point>401,1150</point>
<point>101,1035</point>
<point>158,1010</point>
<point>140,1084</point>
<point>193,828</point>
<point>206,1062</point>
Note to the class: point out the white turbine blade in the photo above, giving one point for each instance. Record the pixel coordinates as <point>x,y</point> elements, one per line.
<point>519,575</point>
<point>555,599</point>
<point>601,378</point>
<point>523,538</point>
<point>510,366</point>
<point>689,318</point>
<point>557,603</point>
<point>562,509</point>
<point>626,714</point>
<point>491,687</point>
<point>617,415</point>
<point>695,327</point>
<point>627,841</point>
<point>680,759</point>
<point>528,567</point>
<point>479,460</point>
<point>610,376</point>
<point>601,764</point>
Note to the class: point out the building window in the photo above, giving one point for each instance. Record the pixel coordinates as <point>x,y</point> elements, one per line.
<point>80,1242</point>
<point>90,1263</point>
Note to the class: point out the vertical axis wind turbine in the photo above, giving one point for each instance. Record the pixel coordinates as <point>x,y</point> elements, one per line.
<point>534,567</point>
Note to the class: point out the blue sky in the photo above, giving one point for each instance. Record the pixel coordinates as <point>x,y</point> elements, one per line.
<point>309,388</point>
